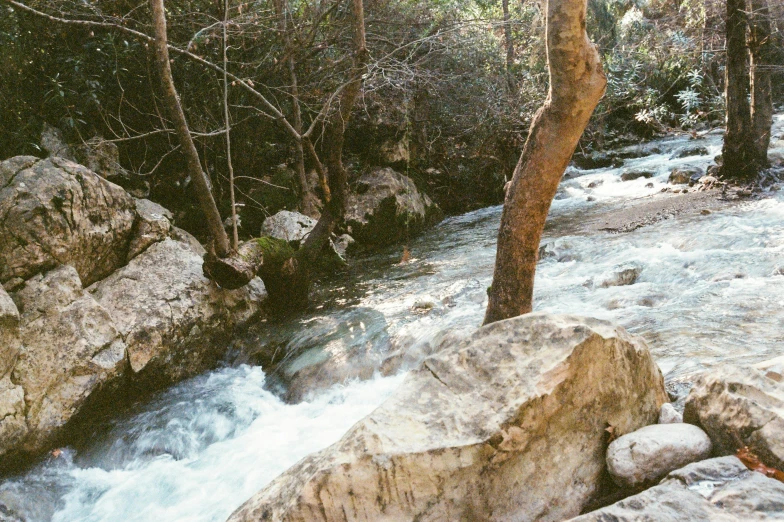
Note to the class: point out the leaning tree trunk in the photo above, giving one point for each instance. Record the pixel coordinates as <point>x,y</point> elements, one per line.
<point>577,83</point>
<point>172,101</point>
<point>288,285</point>
<point>739,160</point>
<point>761,58</point>
<point>228,272</point>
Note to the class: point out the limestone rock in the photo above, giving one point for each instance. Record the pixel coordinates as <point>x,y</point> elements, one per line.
<point>57,212</point>
<point>103,158</point>
<point>714,490</point>
<point>153,224</point>
<point>669,415</point>
<point>175,321</point>
<point>643,457</point>
<point>291,226</point>
<point>739,406</point>
<point>9,333</point>
<point>387,207</point>
<point>70,348</point>
<point>507,425</point>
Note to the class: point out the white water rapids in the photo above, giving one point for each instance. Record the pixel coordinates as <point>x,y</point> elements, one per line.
<point>710,289</point>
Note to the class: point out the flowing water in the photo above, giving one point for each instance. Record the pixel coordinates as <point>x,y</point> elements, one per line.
<point>708,289</point>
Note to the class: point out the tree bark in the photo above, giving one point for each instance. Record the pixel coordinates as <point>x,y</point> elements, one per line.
<point>577,83</point>
<point>739,159</point>
<point>227,121</point>
<point>761,57</point>
<point>171,99</point>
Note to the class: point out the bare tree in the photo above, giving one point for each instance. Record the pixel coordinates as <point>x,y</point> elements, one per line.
<point>577,83</point>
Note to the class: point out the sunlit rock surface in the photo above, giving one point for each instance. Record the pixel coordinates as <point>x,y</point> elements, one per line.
<point>56,212</point>
<point>720,489</point>
<point>508,425</point>
<point>740,406</point>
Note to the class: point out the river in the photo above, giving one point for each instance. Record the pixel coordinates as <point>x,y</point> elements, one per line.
<point>709,288</point>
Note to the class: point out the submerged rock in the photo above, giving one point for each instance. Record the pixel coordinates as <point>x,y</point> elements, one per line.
<point>740,406</point>
<point>644,456</point>
<point>57,212</point>
<point>387,207</point>
<point>507,425</point>
<point>633,174</point>
<point>690,150</point>
<point>719,489</point>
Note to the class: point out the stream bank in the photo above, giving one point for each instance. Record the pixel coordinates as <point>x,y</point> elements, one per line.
<point>700,287</point>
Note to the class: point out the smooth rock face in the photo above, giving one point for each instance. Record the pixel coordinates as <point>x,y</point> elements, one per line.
<point>175,322</point>
<point>507,425</point>
<point>669,415</point>
<point>714,490</point>
<point>57,212</point>
<point>291,226</point>
<point>740,406</point>
<point>387,207</point>
<point>153,224</point>
<point>648,454</point>
<point>70,348</point>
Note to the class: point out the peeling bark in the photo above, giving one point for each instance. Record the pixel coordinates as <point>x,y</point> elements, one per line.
<point>577,83</point>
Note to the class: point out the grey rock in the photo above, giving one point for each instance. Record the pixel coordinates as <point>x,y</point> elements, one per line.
<point>714,490</point>
<point>690,150</point>
<point>287,225</point>
<point>103,158</point>
<point>630,175</point>
<point>387,207</point>
<point>53,142</point>
<point>623,275</point>
<point>342,244</point>
<point>175,322</point>
<point>643,457</point>
<point>740,406</point>
<point>57,212</point>
<point>507,425</point>
<point>153,224</point>
<point>685,176</point>
<point>669,415</point>
<point>70,348</point>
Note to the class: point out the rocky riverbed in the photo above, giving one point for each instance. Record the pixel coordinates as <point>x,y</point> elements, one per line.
<point>695,286</point>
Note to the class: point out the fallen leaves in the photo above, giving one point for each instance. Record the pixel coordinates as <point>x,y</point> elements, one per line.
<point>753,462</point>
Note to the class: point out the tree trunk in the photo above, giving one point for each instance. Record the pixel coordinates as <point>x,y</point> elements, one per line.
<point>294,277</point>
<point>219,238</point>
<point>577,83</point>
<point>227,121</point>
<point>510,52</point>
<point>761,57</point>
<point>738,152</point>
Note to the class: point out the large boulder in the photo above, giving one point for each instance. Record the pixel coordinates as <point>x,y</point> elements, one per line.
<point>287,225</point>
<point>644,456</point>
<point>57,212</point>
<point>153,224</point>
<point>386,207</point>
<point>507,425</point>
<point>740,406</point>
<point>719,489</point>
<point>175,322</point>
<point>70,348</point>
<point>13,427</point>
